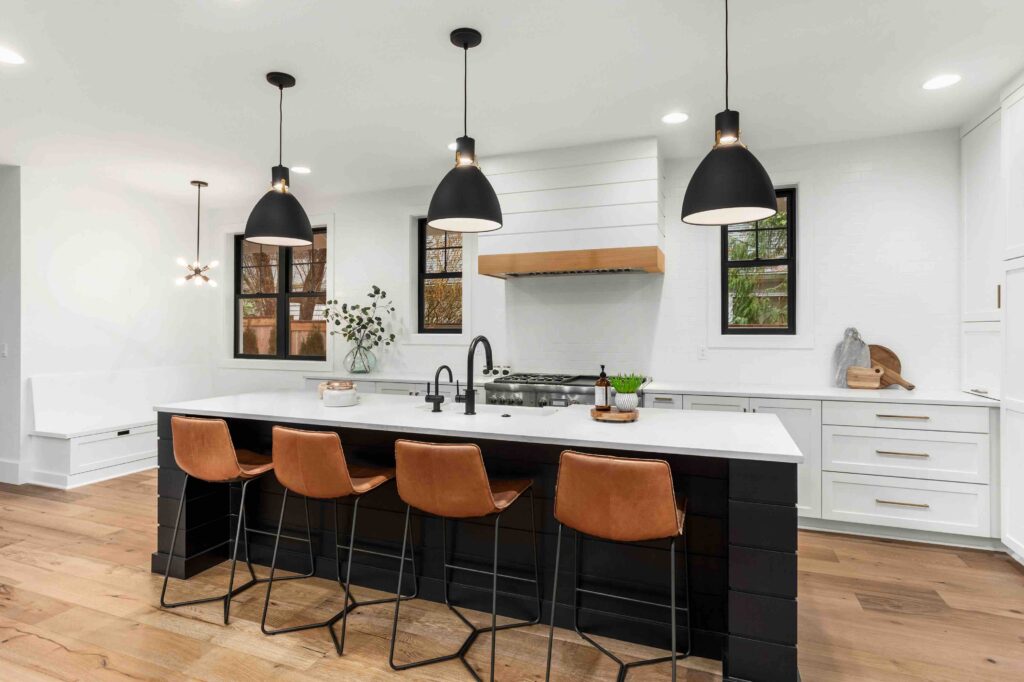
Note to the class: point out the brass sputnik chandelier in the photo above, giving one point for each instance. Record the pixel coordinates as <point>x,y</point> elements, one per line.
<point>195,272</point>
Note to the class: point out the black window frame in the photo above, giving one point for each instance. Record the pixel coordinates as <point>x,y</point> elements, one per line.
<point>422,276</point>
<point>283,294</point>
<point>789,260</point>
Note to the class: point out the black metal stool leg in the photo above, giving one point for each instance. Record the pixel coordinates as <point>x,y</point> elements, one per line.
<point>273,567</point>
<point>554,601</point>
<point>170,551</point>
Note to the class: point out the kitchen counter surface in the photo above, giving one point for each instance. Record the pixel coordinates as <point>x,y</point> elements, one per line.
<point>708,434</point>
<point>887,395</point>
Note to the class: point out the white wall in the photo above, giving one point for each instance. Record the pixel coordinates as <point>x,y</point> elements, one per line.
<point>10,319</point>
<point>97,280</point>
<point>878,222</point>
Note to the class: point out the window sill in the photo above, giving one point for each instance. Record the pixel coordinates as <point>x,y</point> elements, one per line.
<point>277,365</point>
<point>437,339</point>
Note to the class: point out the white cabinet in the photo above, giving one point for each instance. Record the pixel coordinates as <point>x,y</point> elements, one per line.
<point>982,229</point>
<point>981,358</point>
<point>396,388</point>
<point>1013,172</point>
<point>716,403</point>
<point>1012,406</point>
<point>802,419</point>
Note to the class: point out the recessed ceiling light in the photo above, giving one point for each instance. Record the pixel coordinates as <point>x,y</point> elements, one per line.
<point>9,56</point>
<point>941,81</point>
<point>452,146</point>
<point>674,117</point>
<point>301,170</point>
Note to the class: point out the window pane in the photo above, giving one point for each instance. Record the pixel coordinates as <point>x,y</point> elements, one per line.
<point>781,218</point>
<point>443,260</point>
<point>309,277</point>
<point>442,304</point>
<point>307,329</point>
<point>758,297</point>
<point>772,243</point>
<point>258,318</point>
<point>315,253</point>
<point>742,245</point>
<point>439,239</point>
<point>259,268</point>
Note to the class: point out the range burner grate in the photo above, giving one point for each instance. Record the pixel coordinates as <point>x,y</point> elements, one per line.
<point>529,378</point>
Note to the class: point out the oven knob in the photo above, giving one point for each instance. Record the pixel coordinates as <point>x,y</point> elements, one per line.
<point>490,400</point>
<point>573,401</point>
<point>519,400</point>
<point>503,401</point>
<point>542,402</point>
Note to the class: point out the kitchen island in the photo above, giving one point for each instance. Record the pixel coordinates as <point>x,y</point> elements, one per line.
<point>737,472</point>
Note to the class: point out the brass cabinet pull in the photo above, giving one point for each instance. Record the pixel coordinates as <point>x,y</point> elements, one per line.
<point>999,297</point>
<point>897,453</point>
<point>662,399</point>
<point>903,416</point>
<point>915,505</point>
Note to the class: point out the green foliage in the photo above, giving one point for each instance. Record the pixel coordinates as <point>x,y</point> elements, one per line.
<point>627,383</point>
<point>362,324</point>
<point>759,293</point>
<point>313,344</point>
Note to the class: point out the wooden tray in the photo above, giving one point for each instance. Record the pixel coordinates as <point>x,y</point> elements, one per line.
<point>613,415</point>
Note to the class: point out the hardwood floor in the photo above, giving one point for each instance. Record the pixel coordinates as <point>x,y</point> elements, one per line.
<point>77,602</point>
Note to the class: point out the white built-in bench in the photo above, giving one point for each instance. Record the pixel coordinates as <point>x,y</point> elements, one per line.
<point>93,426</point>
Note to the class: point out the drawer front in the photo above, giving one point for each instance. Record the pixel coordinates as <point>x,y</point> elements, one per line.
<point>665,400</point>
<point>110,449</point>
<point>940,456</point>
<point>395,388</point>
<point>961,508</point>
<point>716,403</point>
<point>906,416</point>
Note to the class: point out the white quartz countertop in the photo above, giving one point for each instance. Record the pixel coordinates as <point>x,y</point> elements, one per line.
<point>707,434</point>
<point>893,394</point>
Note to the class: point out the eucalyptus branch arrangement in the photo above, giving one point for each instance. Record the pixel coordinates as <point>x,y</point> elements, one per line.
<point>364,324</point>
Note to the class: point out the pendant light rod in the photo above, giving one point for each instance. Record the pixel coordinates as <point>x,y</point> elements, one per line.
<point>280,125</point>
<point>465,90</point>
<point>726,55</point>
<point>199,185</point>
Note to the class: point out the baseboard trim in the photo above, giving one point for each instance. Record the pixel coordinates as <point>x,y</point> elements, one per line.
<point>904,534</point>
<point>50,479</point>
<point>9,471</point>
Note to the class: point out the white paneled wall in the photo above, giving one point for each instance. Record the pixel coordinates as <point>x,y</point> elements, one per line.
<point>597,196</point>
<point>10,321</point>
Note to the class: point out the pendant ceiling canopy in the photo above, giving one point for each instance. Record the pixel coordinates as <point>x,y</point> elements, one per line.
<point>464,201</point>
<point>278,219</point>
<point>730,185</point>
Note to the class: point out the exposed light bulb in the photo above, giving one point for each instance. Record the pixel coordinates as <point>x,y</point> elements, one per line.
<point>728,139</point>
<point>214,264</point>
<point>182,262</point>
<point>213,283</point>
<point>179,281</point>
<point>465,160</point>
<point>198,281</point>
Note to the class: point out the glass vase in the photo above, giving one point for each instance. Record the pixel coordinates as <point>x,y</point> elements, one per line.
<point>360,360</point>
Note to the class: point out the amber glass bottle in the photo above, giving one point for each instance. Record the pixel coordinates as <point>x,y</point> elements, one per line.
<point>603,392</point>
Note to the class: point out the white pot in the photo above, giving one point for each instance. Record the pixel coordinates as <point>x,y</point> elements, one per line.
<point>626,402</point>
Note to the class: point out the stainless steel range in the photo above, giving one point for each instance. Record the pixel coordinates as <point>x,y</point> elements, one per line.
<point>541,390</point>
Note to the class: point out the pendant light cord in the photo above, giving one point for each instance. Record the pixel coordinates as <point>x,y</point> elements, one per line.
<point>199,199</point>
<point>465,90</point>
<point>726,55</point>
<point>280,127</point>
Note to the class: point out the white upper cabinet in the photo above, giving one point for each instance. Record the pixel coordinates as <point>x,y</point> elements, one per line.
<point>1012,418</point>
<point>982,225</point>
<point>1013,171</point>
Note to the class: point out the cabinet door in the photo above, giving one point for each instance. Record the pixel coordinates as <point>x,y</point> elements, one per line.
<point>1013,173</point>
<point>802,419</point>
<point>716,403</point>
<point>1012,408</point>
<point>982,230</point>
<point>981,358</point>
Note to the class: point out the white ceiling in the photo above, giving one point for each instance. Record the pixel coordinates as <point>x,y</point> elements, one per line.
<point>154,94</point>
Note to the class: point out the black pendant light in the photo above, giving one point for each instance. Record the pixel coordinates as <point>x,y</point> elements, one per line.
<point>465,200</point>
<point>278,218</point>
<point>730,185</point>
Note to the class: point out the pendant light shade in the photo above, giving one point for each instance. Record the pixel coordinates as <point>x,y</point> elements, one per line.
<point>278,219</point>
<point>730,185</point>
<point>465,200</point>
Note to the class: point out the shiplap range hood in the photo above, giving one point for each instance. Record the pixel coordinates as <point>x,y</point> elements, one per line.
<point>579,210</point>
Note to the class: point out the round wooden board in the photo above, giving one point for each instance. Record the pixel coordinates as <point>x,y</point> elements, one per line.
<point>613,415</point>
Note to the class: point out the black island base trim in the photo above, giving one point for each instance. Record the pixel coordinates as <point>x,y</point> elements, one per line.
<point>740,527</point>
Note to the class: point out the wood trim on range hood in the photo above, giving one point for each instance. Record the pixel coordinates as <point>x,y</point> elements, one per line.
<point>583,261</point>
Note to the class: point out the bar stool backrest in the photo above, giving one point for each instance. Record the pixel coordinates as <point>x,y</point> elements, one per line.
<point>616,498</point>
<point>203,449</point>
<point>311,463</point>
<point>443,479</point>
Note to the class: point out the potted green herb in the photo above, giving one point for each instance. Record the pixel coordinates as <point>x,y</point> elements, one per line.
<point>364,325</point>
<point>626,386</point>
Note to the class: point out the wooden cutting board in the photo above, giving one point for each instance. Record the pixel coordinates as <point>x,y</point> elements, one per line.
<point>890,362</point>
<point>613,415</point>
<point>864,377</point>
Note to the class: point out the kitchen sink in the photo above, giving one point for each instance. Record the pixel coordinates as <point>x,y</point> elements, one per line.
<point>495,410</point>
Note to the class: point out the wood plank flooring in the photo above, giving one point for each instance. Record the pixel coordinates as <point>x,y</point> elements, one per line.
<point>77,602</point>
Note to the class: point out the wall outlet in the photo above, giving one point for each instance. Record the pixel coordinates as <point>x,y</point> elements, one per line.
<point>702,352</point>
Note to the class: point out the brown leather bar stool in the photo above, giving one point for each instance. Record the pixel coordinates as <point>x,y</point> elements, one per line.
<point>620,499</point>
<point>313,464</point>
<point>449,481</point>
<point>204,451</point>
